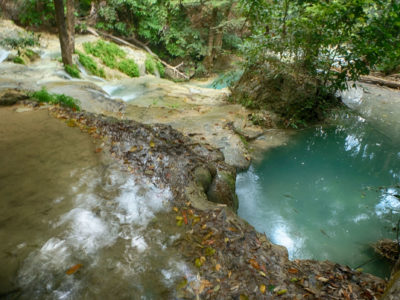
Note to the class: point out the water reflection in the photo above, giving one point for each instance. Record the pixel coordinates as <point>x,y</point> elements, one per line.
<point>320,195</point>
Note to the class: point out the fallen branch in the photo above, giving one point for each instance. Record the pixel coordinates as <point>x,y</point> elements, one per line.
<point>142,46</point>
<point>380,81</point>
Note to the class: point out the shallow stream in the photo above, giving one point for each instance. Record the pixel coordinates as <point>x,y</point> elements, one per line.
<point>72,224</point>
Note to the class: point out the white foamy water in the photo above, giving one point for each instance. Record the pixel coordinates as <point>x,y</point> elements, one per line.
<point>3,55</point>
<point>106,231</point>
<point>352,97</point>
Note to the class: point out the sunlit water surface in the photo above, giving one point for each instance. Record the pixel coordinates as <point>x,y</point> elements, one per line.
<point>328,194</point>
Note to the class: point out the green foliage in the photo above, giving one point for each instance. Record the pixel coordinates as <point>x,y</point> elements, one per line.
<point>73,71</point>
<point>107,52</point>
<point>129,67</point>
<point>37,12</point>
<point>161,69</point>
<point>24,39</point>
<point>176,27</point>
<point>318,46</point>
<point>18,60</point>
<point>150,65</point>
<point>89,64</point>
<point>44,96</point>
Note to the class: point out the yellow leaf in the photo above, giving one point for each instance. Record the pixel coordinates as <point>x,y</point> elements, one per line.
<point>217,267</point>
<point>263,274</point>
<point>281,292</point>
<point>152,145</point>
<point>71,123</point>
<point>133,149</point>
<point>262,288</point>
<point>176,209</point>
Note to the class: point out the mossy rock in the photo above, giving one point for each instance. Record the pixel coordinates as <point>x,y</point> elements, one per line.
<point>222,189</point>
<point>31,55</point>
<point>10,97</point>
<point>203,178</point>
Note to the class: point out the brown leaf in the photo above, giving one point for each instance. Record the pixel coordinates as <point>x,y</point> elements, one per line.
<point>98,150</point>
<point>254,264</point>
<point>73,269</point>
<point>293,271</point>
<point>185,220</point>
<point>217,267</point>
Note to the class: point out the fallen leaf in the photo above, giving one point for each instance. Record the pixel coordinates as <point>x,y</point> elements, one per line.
<point>209,251</point>
<point>217,267</point>
<point>152,144</point>
<point>185,220</point>
<point>73,269</point>
<point>322,279</point>
<point>133,149</point>
<point>175,209</point>
<point>293,271</point>
<point>262,288</point>
<point>263,274</point>
<point>71,123</point>
<point>281,292</point>
<point>199,261</point>
<point>98,150</point>
<point>254,264</point>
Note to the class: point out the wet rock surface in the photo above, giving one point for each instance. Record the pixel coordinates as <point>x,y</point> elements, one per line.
<point>233,260</point>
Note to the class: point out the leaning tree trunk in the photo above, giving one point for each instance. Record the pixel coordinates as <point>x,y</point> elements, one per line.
<point>64,30</point>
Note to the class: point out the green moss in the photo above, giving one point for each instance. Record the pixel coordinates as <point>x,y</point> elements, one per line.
<point>44,96</point>
<point>73,71</point>
<point>129,67</point>
<point>150,65</point>
<point>89,64</point>
<point>18,60</point>
<point>161,69</point>
<point>31,54</point>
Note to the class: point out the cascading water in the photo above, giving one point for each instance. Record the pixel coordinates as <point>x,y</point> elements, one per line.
<point>66,207</point>
<point>3,55</point>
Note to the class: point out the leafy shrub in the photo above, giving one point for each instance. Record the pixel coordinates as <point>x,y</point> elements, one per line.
<point>107,52</point>
<point>18,60</point>
<point>73,71</point>
<point>150,65</point>
<point>161,69</point>
<point>38,12</point>
<point>89,64</point>
<point>129,67</point>
<point>23,40</point>
<point>44,96</point>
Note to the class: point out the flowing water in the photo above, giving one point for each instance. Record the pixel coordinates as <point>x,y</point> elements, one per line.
<point>330,192</point>
<point>63,206</point>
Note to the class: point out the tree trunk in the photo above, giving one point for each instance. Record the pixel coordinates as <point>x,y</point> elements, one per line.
<point>220,33</point>
<point>64,33</point>
<point>71,23</point>
<point>208,61</point>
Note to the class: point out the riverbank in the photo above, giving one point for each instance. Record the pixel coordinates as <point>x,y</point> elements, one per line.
<point>226,257</point>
